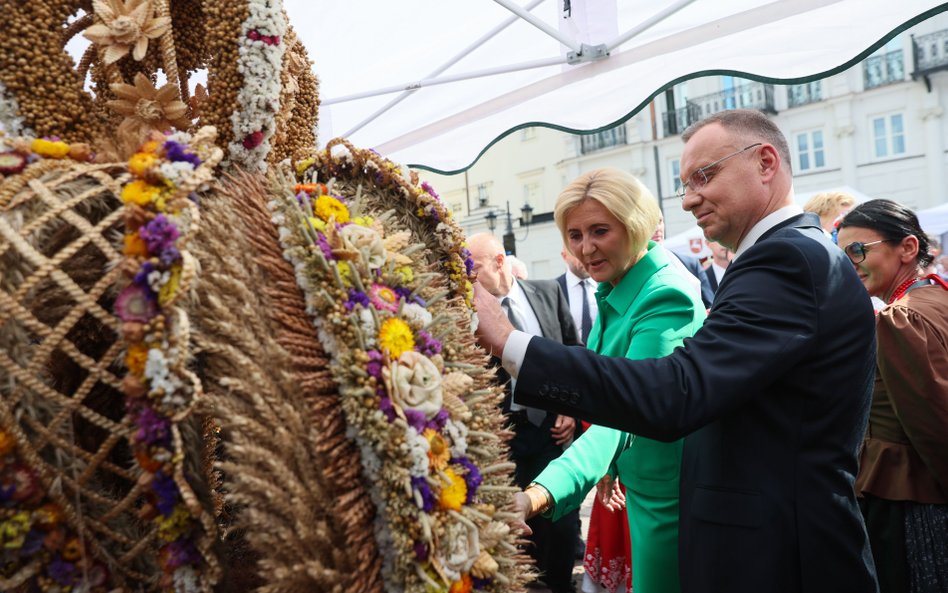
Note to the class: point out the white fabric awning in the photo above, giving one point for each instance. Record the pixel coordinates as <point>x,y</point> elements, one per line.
<point>448,119</point>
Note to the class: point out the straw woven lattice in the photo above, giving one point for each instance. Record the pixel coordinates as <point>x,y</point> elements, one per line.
<point>60,363</point>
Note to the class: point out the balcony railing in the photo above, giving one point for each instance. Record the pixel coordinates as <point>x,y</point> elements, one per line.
<point>676,121</point>
<point>803,94</point>
<point>753,95</point>
<point>887,68</point>
<point>930,53</point>
<point>602,140</point>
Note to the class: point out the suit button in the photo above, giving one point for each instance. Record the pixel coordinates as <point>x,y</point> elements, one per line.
<point>544,390</point>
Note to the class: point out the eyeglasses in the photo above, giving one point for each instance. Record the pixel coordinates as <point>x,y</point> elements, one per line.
<point>699,177</point>
<point>857,251</point>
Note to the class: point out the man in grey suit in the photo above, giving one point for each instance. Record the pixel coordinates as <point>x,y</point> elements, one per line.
<point>772,393</point>
<point>537,307</point>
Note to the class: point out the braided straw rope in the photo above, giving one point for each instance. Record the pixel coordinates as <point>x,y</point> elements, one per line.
<point>287,463</point>
<point>60,368</point>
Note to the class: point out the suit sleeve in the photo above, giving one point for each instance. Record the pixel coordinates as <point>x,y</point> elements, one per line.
<point>764,323</point>
<point>912,360</point>
<point>571,476</point>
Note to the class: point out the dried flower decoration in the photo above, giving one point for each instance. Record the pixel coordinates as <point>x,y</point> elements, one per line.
<point>147,109</point>
<point>125,27</point>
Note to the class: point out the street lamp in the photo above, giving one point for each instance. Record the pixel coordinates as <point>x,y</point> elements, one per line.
<point>510,242</point>
<point>526,217</point>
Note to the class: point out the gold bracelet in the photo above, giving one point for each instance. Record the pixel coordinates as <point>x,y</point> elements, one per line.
<point>540,498</point>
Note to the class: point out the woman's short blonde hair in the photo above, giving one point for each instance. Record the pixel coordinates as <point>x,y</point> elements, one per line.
<point>622,194</point>
<point>829,203</point>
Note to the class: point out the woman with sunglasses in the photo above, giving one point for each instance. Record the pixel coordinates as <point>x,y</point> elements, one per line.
<point>903,473</point>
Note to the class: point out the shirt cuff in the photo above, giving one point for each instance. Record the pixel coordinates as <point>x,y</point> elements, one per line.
<point>515,350</point>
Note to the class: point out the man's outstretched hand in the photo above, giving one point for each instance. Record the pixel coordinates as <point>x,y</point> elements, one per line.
<point>493,327</point>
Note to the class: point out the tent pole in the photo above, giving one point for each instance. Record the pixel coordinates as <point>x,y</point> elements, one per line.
<point>413,86</point>
<point>517,10</point>
<point>647,24</point>
<point>457,58</point>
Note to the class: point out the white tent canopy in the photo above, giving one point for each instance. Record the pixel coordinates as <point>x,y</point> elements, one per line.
<point>934,221</point>
<point>440,81</point>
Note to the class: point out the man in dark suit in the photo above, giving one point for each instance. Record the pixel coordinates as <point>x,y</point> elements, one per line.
<point>538,308</point>
<point>720,260</point>
<point>773,392</point>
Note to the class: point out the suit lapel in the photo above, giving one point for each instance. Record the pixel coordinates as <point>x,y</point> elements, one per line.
<point>540,309</point>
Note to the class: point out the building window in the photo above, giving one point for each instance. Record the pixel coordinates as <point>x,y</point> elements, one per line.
<point>456,207</point>
<point>528,134</point>
<point>601,140</point>
<point>675,167</point>
<point>810,151</point>
<point>888,134</point>
<point>531,192</point>
<point>482,196</point>
<point>802,94</point>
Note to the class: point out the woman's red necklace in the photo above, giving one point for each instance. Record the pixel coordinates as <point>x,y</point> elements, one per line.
<point>905,286</point>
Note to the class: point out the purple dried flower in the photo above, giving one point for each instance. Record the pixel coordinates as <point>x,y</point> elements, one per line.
<point>152,428</point>
<point>437,423</point>
<point>177,153</point>
<point>427,496</point>
<point>324,246</point>
<point>472,477</point>
<point>357,297</point>
<point>169,256</point>
<point>62,572</point>
<point>427,344</point>
<point>166,491</point>
<point>479,584</point>
<point>374,367</point>
<point>421,551</point>
<point>415,419</point>
<point>159,234</point>
<point>427,187</point>
<point>385,405</point>
<point>32,543</point>
<point>181,553</point>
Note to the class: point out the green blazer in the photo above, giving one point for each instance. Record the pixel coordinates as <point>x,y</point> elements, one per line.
<point>647,315</point>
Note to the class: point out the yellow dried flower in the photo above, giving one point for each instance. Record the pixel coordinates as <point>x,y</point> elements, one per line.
<point>454,492</point>
<point>136,358</point>
<point>125,27</point>
<point>55,149</point>
<point>395,337</point>
<point>174,525</point>
<point>439,453</point>
<point>135,246</point>
<point>141,163</point>
<point>139,192</point>
<point>328,206</point>
<point>170,288</point>
<point>318,223</point>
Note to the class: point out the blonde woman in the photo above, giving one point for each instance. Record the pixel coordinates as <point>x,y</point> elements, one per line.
<point>646,309</point>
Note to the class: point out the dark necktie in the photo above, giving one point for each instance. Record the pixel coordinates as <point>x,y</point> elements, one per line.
<point>586,318</point>
<point>534,415</point>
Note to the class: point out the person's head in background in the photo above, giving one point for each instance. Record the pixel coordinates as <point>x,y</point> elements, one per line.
<point>829,206</point>
<point>720,254</point>
<point>659,234</point>
<point>491,267</point>
<point>517,267</point>
<point>606,217</point>
<point>885,244</point>
<point>574,265</point>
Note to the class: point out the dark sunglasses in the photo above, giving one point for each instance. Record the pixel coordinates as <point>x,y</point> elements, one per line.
<point>857,250</point>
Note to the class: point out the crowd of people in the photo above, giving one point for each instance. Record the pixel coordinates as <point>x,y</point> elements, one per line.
<point>780,433</point>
